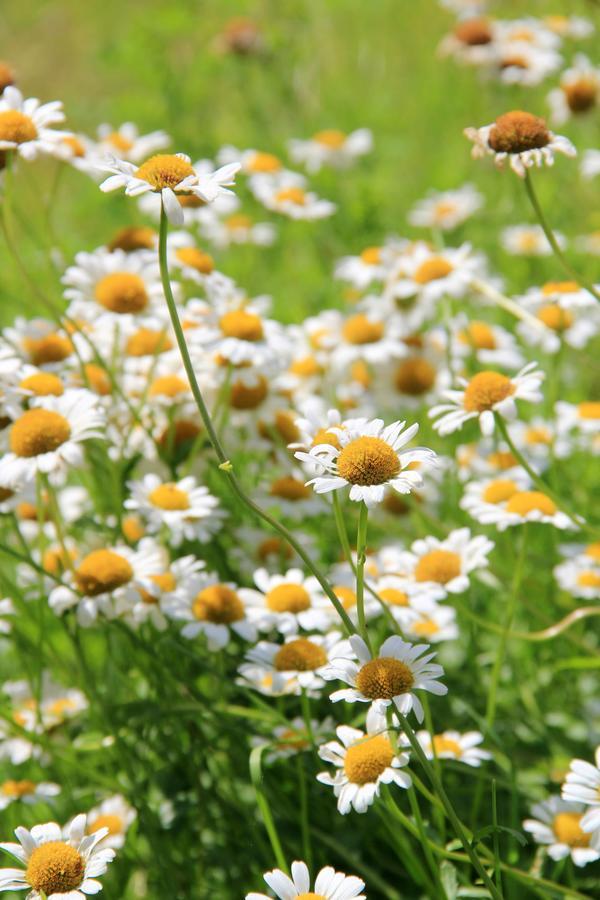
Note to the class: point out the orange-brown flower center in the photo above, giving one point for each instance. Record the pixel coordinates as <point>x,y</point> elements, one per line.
<point>102,571</point>
<point>219,604</point>
<point>432,269</point>
<point>368,461</point>
<point>38,431</point>
<point>55,868</point>
<point>243,325</point>
<point>414,376</point>
<point>16,127</point>
<point>485,390</point>
<point>366,760</point>
<point>299,655</point>
<point>43,384</point>
<point>122,292</point>
<point>439,565</point>
<point>384,678</point>
<point>165,170</point>
<point>517,132</point>
<point>196,259</point>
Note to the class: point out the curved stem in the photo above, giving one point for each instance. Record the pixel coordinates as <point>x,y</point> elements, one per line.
<point>224,463</point>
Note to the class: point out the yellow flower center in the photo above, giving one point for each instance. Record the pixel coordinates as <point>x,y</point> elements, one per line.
<point>518,131</point>
<point>219,604</point>
<point>538,436</point>
<point>288,597</point>
<point>361,330</point>
<point>485,390</point>
<point>55,868</point>
<point>345,595</point>
<point>589,578</point>
<point>440,566</point>
<point>311,896</point>
<point>593,550</point>
<point>38,431</point>
<point>300,655</point>
<point>331,138</point>
<point>394,597</point>
<point>168,386</point>
<point>134,237</point>
<point>474,32</point>
<point>245,396</point>
<point>43,384</point>
<point>147,342</point>
<point>169,497</point>
<point>243,325</point>
<point>122,292</point>
<point>273,546</point>
<point>98,379</point>
<point>366,760</point>
<point>589,410</point>
<point>7,76</point>
<point>56,560</point>
<point>132,528</point>
<point>560,287</point>
<point>566,826</point>
<point>16,127</point>
<point>582,95</point>
<point>261,163</point>
<point>165,170</point>
<point>119,141</point>
<point>425,628</point>
<point>305,367</point>
<point>442,744</point>
<point>368,461</point>
<point>414,377</point>
<point>384,678</point>
<point>326,437</point>
<point>289,488</point>
<point>371,256</point>
<point>524,502</point>
<point>293,195</point>
<point>113,822</point>
<point>238,222</point>
<point>17,789</point>
<point>478,335</point>
<point>102,571</point>
<point>196,259</point>
<point>499,491</point>
<point>48,349</point>
<point>432,270</point>
<point>502,459</point>
<point>555,318</point>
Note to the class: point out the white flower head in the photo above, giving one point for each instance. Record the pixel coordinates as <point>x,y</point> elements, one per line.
<point>446,209</point>
<point>557,824</point>
<point>212,608</point>
<point>295,666</point>
<point>329,884</point>
<point>582,785</point>
<point>26,125</point>
<point>331,147</point>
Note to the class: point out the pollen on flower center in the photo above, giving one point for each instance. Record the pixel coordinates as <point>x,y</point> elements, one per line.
<point>51,348</point>
<point>169,497</point>
<point>16,127</point>
<point>17,789</point>
<point>331,138</point>
<point>293,195</point>
<point>101,571</point>
<point>366,760</point>
<point>384,678</point>
<point>478,335</point>
<point>38,431</point>
<point>368,461</point>
<point>517,132</point>
<point>196,259</point>
<point>148,342</point>
<point>263,163</point>
<point>442,744</point>
<point>566,826</point>
<point>289,488</point>
<point>582,95</point>
<point>310,896</point>
<point>414,377</point>
<point>432,269</point>
<point>113,822</point>
<point>394,597</point>
<point>245,396</point>
<point>554,317</point>
<point>499,491</point>
<point>165,170</point>
<point>371,256</point>
<point>168,386</point>
<point>219,604</point>
<point>243,325</point>
<point>485,390</point>
<point>122,292</point>
<point>326,437</point>
<point>55,868</point>
<point>590,409</point>
<point>524,502</point>
<point>288,597</point>
<point>43,384</point>
<point>438,565</point>
<point>300,655</point>
<point>133,237</point>
<point>588,578</point>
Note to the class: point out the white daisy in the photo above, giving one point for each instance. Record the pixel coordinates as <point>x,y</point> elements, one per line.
<point>529,240</point>
<point>491,345</point>
<point>564,322</point>
<point>463,748</point>
<point>520,62</point>
<point>366,456</point>
<point>431,275</point>
<point>578,91</point>
<point>557,826</point>
<point>429,622</point>
<point>363,762</point>
<point>582,785</point>
<point>446,209</point>
<point>292,200</point>
<point>287,602</point>
<point>294,666</point>
<point>26,791</point>
<point>331,147</point>
<point>362,270</point>
<point>26,126</point>
<point>55,866</point>
<point>188,510</point>
<point>329,885</point>
<point>127,143</point>
<point>392,677</point>
<point>580,576</point>
<point>446,563</point>
<point>288,740</point>
<point>212,608</point>
<point>114,816</point>
<point>520,138</point>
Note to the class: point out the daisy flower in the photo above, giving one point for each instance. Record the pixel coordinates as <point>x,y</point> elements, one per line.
<point>252,162</point>
<point>483,395</point>
<point>286,602</point>
<point>47,438</point>
<point>432,275</point>
<point>26,126</point>
<point>331,147</point>
<point>165,589</point>
<point>520,138</point>
<point>588,243</point>
<point>212,608</point>
<point>55,866</point>
<point>529,240</point>
<point>584,417</point>
<point>463,748</point>
<point>582,785</point>
<point>578,91</point>
<point>368,337</point>
<point>472,41</point>
<point>366,456</point>
<point>590,163</point>
<point>557,826</point>
<point>579,576</point>
<point>392,677</point>
<point>428,622</point>
<point>114,816</point>
<point>169,175</point>
<point>363,762</point>
<point>295,666</point>
<point>526,506</point>
<point>523,63</point>
<point>446,563</point>
<point>127,142</point>
<point>490,344</point>
<point>188,510</point>
<point>237,228</point>
<point>27,791</point>
<point>564,322</point>
<point>37,341</point>
<point>288,740</point>
<point>292,200</point>
<point>329,885</point>
<point>362,270</point>
<point>446,209</point>
<point>575,27</point>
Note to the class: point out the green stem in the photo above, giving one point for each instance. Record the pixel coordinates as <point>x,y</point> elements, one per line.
<point>361,556</point>
<point>265,809</point>
<point>433,867</point>
<point>304,822</point>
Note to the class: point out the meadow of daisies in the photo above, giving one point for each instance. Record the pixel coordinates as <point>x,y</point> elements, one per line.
<point>299,419</point>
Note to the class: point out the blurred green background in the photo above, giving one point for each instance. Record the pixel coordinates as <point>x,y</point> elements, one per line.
<point>326,64</point>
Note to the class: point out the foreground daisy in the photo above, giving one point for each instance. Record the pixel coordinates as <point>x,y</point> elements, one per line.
<point>366,456</point>
<point>170,175</point>
<point>520,138</point>
<point>392,677</point>
<point>329,885</point>
<point>485,394</point>
<point>557,824</point>
<point>26,125</point>
<point>54,867</point>
<point>582,785</point>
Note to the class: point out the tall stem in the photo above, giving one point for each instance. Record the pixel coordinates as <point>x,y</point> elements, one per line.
<point>224,463</point>
<point>361,556</point>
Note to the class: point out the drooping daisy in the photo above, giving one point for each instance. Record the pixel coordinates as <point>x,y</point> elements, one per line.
<point>446,209</point>
<point>368,456</point>
<point>520,138</point>
<point>114,816</point>
<point>169,175</point>
<point>48,438</point>
<point>331,147</point>
<point>463,748</point>
<point>557,826</point>
<point>578,91</point>
<point>529,240</point>
<point>188,510</point>
<point>446,563</point>
<point>363,762</point>
<point>287,602</point>
<point>582,785</point>
<point>26,126</point>
<point>295,666</point>
<point>485,394</point>
<point>212,608</point>
<point>26,791</point>
<point>329,885</point>
<point>392,677</point>
<point>127,143</point>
